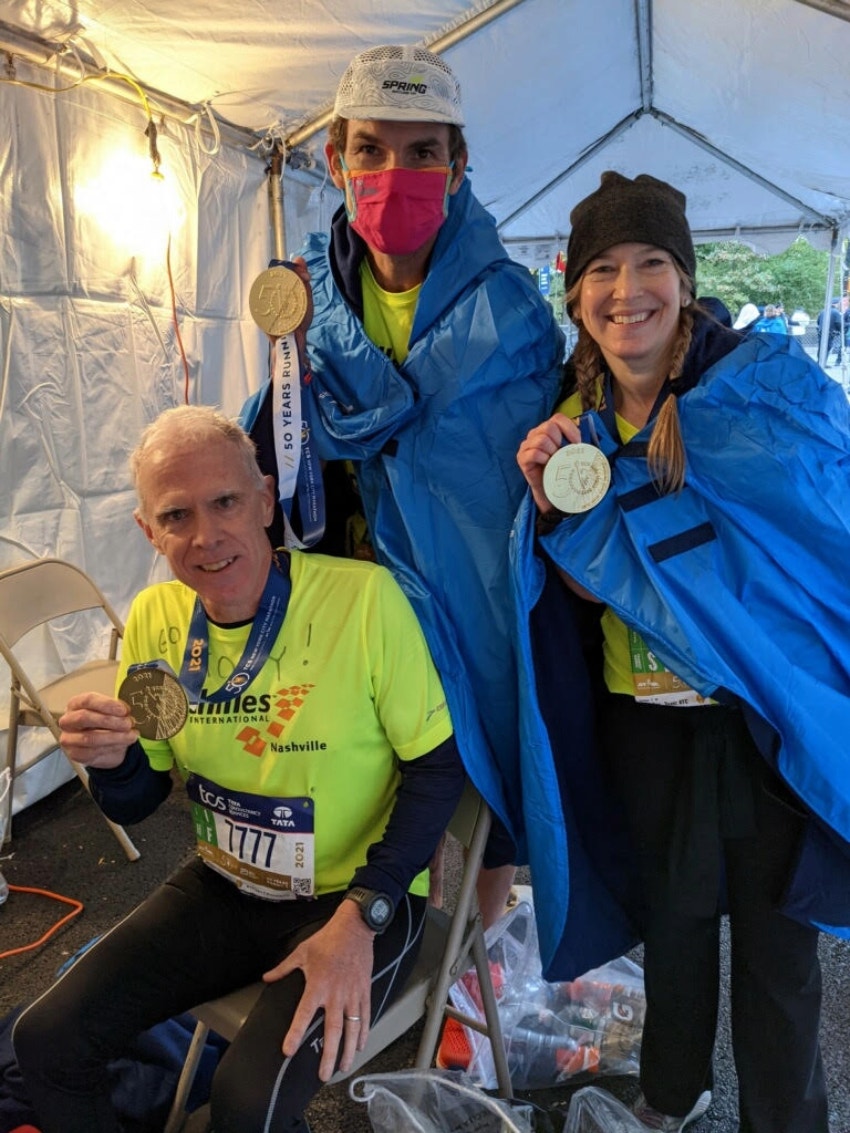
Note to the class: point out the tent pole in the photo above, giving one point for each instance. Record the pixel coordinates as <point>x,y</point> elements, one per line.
<point>466,26</point>
<point>275,172</point>
<point>733,163</point>
<point>835,8</point>
<point>827,302</point>
<point>39,52</point>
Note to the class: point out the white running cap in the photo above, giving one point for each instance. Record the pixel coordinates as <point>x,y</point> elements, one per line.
<point>399,84</point>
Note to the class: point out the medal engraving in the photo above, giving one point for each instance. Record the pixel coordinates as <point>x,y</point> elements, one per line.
<point>278,300</point>
<point>157,702</point>
<point>576,478</point>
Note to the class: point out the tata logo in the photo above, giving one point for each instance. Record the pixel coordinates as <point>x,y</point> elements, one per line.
<point>282,812</point>
<point>211,799</point>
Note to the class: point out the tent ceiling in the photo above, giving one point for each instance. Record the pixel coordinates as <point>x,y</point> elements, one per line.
<point>741,103</point>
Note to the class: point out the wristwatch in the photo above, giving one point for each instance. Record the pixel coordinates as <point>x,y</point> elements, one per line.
<point>376,909</point>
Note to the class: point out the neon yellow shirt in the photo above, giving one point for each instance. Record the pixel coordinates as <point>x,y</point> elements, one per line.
<point>388,315</point>
<point>349,684</point>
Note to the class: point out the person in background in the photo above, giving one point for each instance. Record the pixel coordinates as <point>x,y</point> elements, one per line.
<point>317,750</point>
<point>717,309</point>
<point>748,315</point>
<point>799,322</point>
<point>428,349</point>
<point>735,793</point>
<point>833,341</point>
<point>771,322</point>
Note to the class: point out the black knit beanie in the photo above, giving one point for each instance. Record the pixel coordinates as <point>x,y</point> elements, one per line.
<point>643,211</point>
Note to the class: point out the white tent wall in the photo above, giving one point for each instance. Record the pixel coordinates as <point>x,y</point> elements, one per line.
<point>87,338</point>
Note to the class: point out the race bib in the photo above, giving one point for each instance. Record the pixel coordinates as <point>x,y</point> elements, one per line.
<point>265,846</point>
<point>653,681</point>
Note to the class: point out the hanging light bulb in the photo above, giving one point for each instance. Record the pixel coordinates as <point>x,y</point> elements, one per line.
<point>135,207</point>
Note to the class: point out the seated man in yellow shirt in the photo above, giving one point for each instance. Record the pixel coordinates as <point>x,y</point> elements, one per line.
<point>295,696</point>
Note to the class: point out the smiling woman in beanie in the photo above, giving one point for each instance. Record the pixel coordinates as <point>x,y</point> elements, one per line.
<point>652,213</point>
<point>680,469</point>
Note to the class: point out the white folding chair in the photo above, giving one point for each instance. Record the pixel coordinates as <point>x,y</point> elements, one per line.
<point>451,944</point>
<point>31,595</point>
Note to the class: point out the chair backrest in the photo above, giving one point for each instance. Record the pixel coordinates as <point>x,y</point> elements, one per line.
<point>31,594</point>
<point>38,591</point>
<point>467,813</point>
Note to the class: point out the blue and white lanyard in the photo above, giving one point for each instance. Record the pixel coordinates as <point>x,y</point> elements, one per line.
<point>265,628</point>
<point>298,468</point>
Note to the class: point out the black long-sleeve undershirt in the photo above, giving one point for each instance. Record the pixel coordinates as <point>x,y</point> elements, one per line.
<point>132,791</point>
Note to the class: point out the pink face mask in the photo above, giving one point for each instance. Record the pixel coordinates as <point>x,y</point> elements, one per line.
<point>396,211</point>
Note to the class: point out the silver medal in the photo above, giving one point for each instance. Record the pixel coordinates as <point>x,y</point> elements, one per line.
<point>576,478</point>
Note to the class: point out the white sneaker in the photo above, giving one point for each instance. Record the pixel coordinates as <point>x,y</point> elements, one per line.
<point>651,1119</point>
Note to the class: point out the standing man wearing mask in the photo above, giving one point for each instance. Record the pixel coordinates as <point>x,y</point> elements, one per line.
<point>431,352</point>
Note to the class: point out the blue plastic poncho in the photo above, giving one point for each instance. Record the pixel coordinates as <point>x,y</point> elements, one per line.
<point>738,584</point>
<point>435,441</point>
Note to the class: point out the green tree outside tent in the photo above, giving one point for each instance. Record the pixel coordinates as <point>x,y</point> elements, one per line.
<point>737,275</point>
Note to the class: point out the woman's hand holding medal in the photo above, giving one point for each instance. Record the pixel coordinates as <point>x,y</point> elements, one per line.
<point>570,478</point>
<point>539,447</point>
<point>96,730</point>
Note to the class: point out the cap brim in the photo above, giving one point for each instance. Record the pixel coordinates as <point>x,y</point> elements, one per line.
<point>396,114</point>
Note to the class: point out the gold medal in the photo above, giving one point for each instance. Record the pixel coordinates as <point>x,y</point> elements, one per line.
<point>576,478</point>
<point>278,300</point>
<point>157,701</point>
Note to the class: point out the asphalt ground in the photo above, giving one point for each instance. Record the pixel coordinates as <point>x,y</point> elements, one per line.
<point>61,844</point>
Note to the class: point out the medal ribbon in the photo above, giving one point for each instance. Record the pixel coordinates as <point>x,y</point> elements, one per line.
<point>265,628</point>
<point>607,412</point>
<point>298,469</point>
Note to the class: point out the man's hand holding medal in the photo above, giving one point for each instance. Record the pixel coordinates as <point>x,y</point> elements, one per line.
<point>281,301</point>
<point>96,730</point>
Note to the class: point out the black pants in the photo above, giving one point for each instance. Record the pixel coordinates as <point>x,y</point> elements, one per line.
<point>195,938</point>
<point>707,814</point>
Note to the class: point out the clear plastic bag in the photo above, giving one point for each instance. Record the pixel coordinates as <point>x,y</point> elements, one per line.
<point>594,1111</point>
<point>436,1101</point>
<point>552,1031</point>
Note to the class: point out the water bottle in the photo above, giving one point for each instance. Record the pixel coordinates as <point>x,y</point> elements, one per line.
<point>4,888</point>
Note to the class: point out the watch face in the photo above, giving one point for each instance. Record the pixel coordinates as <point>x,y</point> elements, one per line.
<point>380,911</point>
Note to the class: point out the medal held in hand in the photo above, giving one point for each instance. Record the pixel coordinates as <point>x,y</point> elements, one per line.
<point>576,478</point>
<point>278,300</point>
<point>157,701</point>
